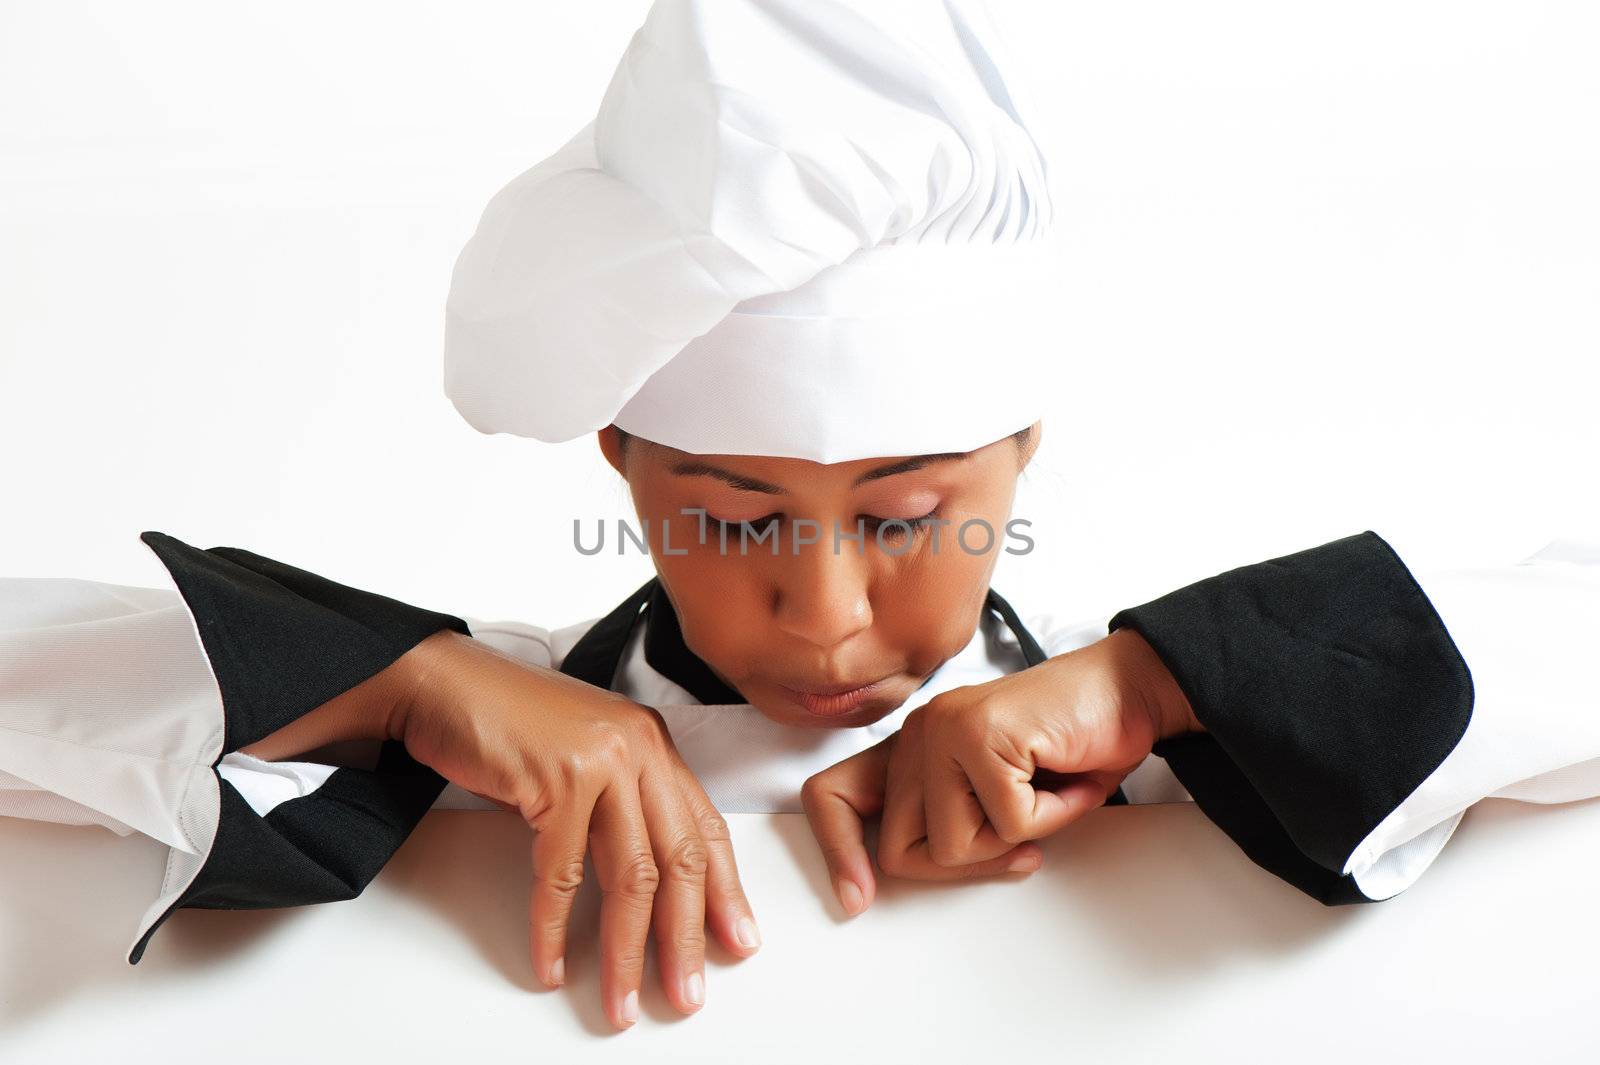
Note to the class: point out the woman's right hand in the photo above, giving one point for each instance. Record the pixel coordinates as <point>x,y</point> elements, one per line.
<point>583,766</point>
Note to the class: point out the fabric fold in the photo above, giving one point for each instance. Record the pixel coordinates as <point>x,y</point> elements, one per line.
<point>280,642</point>
<point>1329,689</point>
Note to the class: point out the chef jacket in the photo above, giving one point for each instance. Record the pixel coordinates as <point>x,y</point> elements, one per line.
<point>1353,710</point>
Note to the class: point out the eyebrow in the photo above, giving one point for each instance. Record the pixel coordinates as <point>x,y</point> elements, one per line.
<point>750,484</point>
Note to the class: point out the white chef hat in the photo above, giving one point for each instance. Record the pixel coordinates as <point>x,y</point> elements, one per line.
<point>796,228</point>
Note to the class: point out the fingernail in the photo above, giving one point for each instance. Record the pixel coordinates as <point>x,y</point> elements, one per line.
<point>630,1008</point>
<point>1025,863</point>
<point>558,971</point>
<point>748,936</point>
<point>694,989</point>
<point>850,897</point>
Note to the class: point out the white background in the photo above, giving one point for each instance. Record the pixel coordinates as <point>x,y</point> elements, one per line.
<point>1335,268</point>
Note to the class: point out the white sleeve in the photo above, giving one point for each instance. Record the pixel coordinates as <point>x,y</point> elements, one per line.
<point>126,708</point>
<point>108,712</point>
<point>1528,633</point>
<point>1351,710</point>
<point>109,716</point>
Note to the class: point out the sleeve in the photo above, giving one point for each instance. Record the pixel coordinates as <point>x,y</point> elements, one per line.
<point>126,707</point>
<point>1353,711</point>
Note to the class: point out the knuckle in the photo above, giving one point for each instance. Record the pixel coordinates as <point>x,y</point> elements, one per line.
<point>947,853</point>
<point>629,957</point>
<point>939,709</point>
<point>650,732</point>
<point>639,877</point>
<point>1009,829</point>
<point>893,862</point>
<point>689,942</point>
<point>565,879</point>
<point>689,860</point>
<point>814,790</point>
<point>574,774</point>
<point>713,826</point>
<point>916,722</point>
<point>975,727</point>
<point>538,809</point>
<point>611,747</point>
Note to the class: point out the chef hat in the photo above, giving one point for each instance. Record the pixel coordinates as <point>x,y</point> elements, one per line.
<point>796,228</point>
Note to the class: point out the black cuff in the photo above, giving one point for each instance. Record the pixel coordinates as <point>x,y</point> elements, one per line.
<point>283,641</point>
<point>280,643</point>
<point>1329,689</point>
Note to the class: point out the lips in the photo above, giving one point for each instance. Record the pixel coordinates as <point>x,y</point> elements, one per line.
<point>836,699</point>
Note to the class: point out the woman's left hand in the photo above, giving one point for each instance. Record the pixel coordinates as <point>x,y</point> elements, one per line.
<point>956,786</point>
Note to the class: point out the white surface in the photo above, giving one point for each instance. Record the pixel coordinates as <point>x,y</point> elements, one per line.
<point>1145,937</point>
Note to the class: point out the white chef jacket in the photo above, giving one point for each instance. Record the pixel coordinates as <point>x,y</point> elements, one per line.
<point>1354,707</point>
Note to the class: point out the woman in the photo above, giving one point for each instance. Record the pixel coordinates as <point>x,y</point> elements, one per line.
<point>795,277</point>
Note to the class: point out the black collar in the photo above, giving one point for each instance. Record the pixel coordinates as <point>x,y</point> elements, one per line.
<point>669,656</point>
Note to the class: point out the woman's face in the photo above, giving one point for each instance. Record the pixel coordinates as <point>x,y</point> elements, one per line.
<point>798,627</point>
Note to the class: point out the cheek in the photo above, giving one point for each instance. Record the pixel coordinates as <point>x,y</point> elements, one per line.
<point>718,607</point>
<point>931,615</point>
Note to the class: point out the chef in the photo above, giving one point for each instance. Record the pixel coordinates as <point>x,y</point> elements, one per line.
<point>797,272</point>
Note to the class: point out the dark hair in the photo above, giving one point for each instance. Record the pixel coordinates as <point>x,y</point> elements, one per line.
<point>1021,437</point>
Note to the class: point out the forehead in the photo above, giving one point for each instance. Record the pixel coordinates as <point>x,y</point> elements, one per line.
<point>776,475</point>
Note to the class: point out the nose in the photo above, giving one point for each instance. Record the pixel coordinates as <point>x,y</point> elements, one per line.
<point>822,597</point>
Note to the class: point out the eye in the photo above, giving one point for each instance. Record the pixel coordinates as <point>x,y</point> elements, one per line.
<point>731,528</point>
<point>897,528</point>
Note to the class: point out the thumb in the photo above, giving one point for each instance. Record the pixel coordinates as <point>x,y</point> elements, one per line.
<point>837,801</point>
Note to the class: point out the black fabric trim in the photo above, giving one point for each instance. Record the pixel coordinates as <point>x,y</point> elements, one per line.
<point>669,656</point>
<point>283,641</point>
<point>1329,689</point>
<point>597,655</point>
<point>1032,653</point>
<point>322,847</point>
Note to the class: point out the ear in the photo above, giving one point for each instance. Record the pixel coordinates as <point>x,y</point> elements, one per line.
<point>611,448</point>
<point>1034,439</point>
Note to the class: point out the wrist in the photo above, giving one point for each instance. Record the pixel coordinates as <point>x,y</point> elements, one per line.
<point>375,709</point>
<point>420,682</point>
<point>1154,689</point>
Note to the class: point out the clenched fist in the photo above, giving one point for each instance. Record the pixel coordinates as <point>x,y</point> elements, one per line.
<point>957,785</point>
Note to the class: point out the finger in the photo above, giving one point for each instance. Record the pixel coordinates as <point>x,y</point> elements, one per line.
<point>728,911</point>
<point>680,902</point>
<point>916,863</point>
<point>626,868</point>
<point>903,848</point>
<point>904,826</point>
<point>557,874</point>
<point>1018,810</point>
<point>1083,794</point>
<point>837,801</point>
<point>958,830</point>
